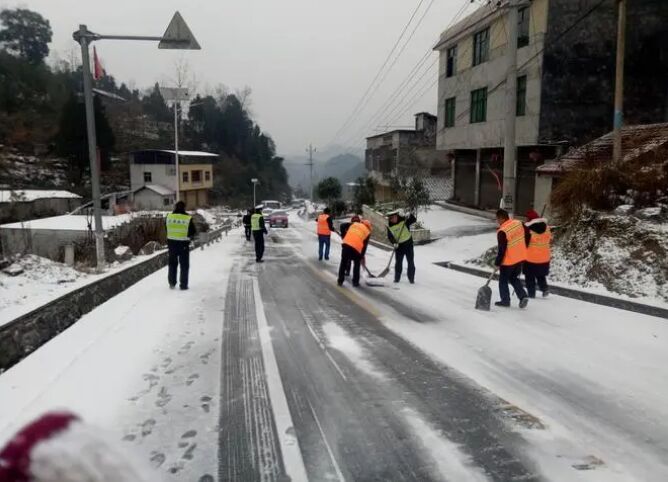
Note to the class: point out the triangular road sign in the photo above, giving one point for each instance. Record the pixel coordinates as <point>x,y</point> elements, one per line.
<point>178,35</point>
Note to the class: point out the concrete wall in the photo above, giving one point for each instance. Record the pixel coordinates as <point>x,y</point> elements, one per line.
<point>47,243</point>
<point>152,201</point>
<point>542,193</point>
<point>161,174</point>
<point>39,208</point>
<point>579,69</point>
<point>491,74</point>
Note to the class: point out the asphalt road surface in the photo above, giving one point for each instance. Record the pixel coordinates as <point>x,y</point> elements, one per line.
<point>364,404</point>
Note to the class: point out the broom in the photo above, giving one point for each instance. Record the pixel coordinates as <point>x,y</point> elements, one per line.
<point>386,271</point>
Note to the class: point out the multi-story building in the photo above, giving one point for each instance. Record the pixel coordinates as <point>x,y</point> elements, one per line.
<point>406,152</point>
<point>153,178</point>
<point>565,86</point>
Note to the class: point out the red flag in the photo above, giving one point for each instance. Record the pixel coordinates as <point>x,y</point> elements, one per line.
<point>98,71</point>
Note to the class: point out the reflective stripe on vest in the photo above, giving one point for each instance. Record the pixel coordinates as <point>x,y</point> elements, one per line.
<point>323,225</point>
<point>516,252</point>
<point>401,232</point>
<point>255,222</point>
<point>177,226</point>
<point>538,251</point>
<point>356,235</point>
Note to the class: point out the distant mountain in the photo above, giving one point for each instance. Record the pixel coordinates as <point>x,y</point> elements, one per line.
<point>344,167</point>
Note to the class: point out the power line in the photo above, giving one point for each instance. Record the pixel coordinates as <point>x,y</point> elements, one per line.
<point>407,80</point>
<point>387,59</point>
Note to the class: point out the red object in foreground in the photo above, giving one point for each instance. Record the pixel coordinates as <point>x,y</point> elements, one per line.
<point>15,456</point>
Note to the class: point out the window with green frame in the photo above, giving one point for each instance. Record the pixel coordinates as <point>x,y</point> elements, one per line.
<point>450,111</point>
<point>481,47</point>
<point>479,105</point>
<point>521,96</point>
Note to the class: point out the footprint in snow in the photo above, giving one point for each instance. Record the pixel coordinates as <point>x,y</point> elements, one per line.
<point>191,379</point>
<point>157,459</point>
<point>190,453</point>
<point>189,434</point>
<point>163,397</point>
<point>147,427</point>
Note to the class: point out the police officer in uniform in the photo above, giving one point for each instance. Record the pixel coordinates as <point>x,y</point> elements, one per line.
<point>259,230</point>
<point>399,234</point>
<point>510,258</point>
<point>246,220</point>
<point>180,230</point>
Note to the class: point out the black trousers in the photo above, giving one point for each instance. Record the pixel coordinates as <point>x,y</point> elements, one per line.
<point>349,255</point>
<point>511,275</point>
<point>259,244</point>
<point>536,274</point>
<point>405,250</point>
<point>179,254</point>
<point>247,230</point>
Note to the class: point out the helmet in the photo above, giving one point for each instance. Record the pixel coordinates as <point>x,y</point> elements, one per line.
<point>367,223</point>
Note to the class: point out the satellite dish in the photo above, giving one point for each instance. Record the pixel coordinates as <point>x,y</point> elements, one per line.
<point>178,36</point>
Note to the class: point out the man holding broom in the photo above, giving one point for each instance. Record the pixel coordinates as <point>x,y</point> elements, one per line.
<point>399,235</point>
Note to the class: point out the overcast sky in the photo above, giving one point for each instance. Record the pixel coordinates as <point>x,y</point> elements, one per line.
<point>308,62</point>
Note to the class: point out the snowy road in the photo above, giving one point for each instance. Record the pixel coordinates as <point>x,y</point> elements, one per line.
<point>263,372</point>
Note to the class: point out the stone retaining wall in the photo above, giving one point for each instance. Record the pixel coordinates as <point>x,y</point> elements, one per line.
<point>25,334</point>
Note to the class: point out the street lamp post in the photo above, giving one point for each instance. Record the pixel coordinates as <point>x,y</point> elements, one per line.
<point>177,36</point>
<point>254,181</point>
<point>176,94</point>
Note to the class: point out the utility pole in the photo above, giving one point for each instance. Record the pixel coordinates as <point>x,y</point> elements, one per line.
<point>618,121</point>
<point>510,148</point>
<point>82,37</point>
<point>176,150</point>
<point>177,36</point>
<point>310,151</point>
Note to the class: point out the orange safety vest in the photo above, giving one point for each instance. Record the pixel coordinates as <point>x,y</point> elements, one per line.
<point>538,251</point>
<point>516,252</point>
<point>323,225</point>
<point>356,235</point>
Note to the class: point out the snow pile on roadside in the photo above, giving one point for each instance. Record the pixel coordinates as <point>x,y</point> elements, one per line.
<point>40,276</point>
<point>623,254</point>
<point>611,253</point>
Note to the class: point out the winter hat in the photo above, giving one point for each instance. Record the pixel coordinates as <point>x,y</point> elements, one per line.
<point>355,219</point>
<point>532,214</point>
<point>59,447</point>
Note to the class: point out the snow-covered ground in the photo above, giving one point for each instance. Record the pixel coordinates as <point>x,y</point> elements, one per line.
<point>595,377</point>
<point>43,281</point>
<point>144,366</point>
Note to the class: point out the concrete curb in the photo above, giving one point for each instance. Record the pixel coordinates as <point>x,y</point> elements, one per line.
<point>603,300</point>
<point>25,334</point>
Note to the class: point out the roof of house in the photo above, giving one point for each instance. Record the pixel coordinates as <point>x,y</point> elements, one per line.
<point>636,141</point>
<point>34,194</point>
<point>187,153</point>
<point>69,222</point>
<point>410,131</point>
<point>469,22</point>
<point>158,189</point>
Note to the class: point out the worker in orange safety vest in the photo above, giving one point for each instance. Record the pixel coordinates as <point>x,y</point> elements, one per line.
<point>325,229</point>
<point>511,256</point>
<point>538,237</point>
<point>355,243</point>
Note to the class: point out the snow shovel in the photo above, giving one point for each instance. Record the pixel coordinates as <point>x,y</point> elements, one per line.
<point>484,299</point>
<point>386,271</point>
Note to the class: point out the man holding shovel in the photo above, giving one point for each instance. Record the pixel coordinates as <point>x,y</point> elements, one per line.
<point>511,256</point>
<point>355,243</point>
<point>399,234</point>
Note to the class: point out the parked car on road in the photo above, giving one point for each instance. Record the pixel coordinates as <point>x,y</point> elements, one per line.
<point>278,219</point>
